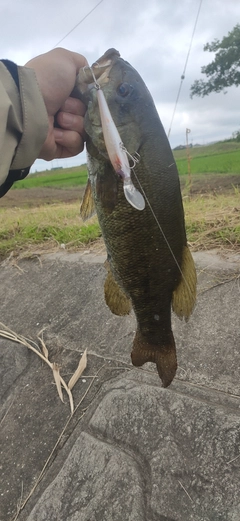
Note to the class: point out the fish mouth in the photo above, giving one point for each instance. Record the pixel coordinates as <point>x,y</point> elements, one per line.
<point>98,73</point>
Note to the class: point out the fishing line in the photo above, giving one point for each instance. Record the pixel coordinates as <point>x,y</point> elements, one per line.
<point>162,232</point>
<point>185,66</point>
<point>75,26</point>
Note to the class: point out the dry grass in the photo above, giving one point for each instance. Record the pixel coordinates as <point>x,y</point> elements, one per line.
<point>8,334</point>
<point>213,221</point>
<point>41,350</point>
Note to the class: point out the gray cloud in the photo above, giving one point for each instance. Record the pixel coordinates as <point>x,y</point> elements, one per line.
<point>153,36</point>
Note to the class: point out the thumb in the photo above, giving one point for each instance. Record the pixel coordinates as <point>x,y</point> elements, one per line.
<point>79,60</point>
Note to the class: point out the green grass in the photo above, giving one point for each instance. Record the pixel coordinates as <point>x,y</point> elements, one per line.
<point>222,157</point>
<point>211,220</point>
<point>220,147</point>
<point>45,226</point>
<point>61,178</point>
<point>219,158</point>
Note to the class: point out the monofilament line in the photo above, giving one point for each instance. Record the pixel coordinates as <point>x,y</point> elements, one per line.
<point>162,232</point>
<point>184,70</point>
<point>75,26</point>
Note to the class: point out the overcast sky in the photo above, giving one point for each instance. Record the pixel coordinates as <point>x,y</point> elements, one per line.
<point>152,35</point>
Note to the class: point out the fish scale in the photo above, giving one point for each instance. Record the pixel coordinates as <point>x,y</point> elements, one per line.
<point>149,264</point>
<point>140,259</point>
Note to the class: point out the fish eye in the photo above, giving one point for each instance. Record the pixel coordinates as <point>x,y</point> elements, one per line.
<point>124,89</point>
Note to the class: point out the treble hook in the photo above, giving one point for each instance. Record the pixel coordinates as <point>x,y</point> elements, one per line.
<point>135,158</point>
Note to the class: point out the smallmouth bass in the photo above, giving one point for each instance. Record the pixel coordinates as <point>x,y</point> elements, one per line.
<point>149,264</point>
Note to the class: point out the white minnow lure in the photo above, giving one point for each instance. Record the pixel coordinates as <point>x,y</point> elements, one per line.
<point>117,153</point>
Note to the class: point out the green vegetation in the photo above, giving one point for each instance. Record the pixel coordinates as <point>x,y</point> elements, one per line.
<point>212,216</point>
<point>47,226</point>
<point>220,147</point>
<point>60,178</point>
<point>212,221</point>
<point>223,71</point>
<point>222,158</point>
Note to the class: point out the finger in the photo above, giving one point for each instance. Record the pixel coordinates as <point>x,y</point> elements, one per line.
<point>79,60</point>
<point>56,73</point>
<point>74,106</point>
<point>69,143</point>
<point>69,121</point>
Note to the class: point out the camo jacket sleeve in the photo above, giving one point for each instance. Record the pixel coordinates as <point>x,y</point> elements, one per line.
<point>23,122</point>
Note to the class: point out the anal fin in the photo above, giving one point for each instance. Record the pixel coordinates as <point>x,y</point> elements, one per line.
<point>184,296</point>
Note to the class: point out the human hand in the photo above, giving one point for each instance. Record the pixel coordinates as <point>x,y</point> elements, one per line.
<point>56,73</point>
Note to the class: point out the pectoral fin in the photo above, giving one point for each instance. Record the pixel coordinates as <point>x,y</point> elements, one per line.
<point>87,208</point>
<point>184,296</point>
<point>115,298</point>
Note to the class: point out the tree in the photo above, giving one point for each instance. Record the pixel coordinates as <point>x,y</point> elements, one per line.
<point>224,70</point>
<point>236,135</point>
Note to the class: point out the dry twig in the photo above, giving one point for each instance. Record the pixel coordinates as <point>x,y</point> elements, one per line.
<point>186,492</point>
<point>81,366</point>
<point>7,333</point>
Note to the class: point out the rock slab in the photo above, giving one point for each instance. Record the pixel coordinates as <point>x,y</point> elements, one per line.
<point>132,450</point>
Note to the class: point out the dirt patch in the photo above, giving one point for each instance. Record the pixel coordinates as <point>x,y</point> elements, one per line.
<point>32,197</point>
<point>211,183</point>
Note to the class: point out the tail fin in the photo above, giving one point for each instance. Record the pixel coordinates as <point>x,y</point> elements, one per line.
<point>163,356</point>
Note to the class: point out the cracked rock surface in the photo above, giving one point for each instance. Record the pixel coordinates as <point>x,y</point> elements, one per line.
<point>132,450</point>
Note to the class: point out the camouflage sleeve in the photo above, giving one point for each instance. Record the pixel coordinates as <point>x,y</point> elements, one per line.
<point>23,122</point>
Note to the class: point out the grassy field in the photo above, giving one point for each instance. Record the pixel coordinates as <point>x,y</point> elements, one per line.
<point>60,178</point>
<point>225,162</point>
<point>211,222</point>
<point>223,157</point>
<point>46,226</point>
<point>222,147</point>
<point>212,215</point>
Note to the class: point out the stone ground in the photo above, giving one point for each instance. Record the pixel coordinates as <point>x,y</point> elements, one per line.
<point>132,450</point>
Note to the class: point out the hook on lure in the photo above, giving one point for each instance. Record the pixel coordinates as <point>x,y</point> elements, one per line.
<point>135,159</point>
<point>117,152</point>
